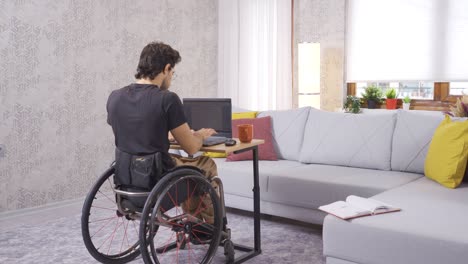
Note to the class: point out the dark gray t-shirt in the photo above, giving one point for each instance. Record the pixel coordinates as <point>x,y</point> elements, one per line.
<point>141,115</point>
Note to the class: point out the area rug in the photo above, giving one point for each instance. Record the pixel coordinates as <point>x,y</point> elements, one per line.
<point>59,241</point>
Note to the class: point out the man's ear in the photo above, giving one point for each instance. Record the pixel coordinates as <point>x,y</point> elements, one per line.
<point>167,68</point>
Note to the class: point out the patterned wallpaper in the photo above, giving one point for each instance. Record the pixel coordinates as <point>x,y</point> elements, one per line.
<point>59,62</point>
<point>323,21</point>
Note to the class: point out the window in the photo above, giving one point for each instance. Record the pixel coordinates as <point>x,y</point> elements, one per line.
<point>415,90</point>
<point>309,74</point>
<point>459,88</point>
<point>309,100</point>
<point>406,40</point>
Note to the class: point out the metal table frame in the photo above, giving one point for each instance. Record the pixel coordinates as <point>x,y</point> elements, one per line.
<point>256,250</point>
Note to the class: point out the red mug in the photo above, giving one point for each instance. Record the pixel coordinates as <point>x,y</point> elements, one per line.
<point>245,133</point>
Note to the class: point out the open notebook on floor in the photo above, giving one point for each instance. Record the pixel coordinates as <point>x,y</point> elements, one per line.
<point>356,206</point>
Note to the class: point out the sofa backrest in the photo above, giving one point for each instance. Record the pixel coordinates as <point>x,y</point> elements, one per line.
<point>411,139</point>
<point>288,131</point>
<point>362,140</point>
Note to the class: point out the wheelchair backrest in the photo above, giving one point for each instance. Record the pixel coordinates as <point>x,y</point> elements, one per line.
<point>137,172</point>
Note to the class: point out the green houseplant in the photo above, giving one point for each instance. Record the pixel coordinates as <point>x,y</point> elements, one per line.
<point>406,103</point>
<point>391,98</point>
<point>373,95</point>
<point>352,104</point>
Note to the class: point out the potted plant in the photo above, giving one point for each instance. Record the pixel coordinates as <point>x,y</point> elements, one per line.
<point>373,96</point>
<point>352,104</point>
<point>391,98</point>
<point>406,103</point>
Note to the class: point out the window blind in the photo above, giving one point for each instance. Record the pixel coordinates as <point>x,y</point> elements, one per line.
<point>407,40</point>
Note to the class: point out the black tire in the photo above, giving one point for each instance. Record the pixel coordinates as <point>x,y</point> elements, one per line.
<point>229,251</point>
<point>152,230</point>
<point>103,199</point>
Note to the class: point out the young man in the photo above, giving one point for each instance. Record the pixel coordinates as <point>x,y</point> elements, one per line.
<point>143,113</point>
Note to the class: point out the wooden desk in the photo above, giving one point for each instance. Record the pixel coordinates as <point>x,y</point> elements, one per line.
<point>221,148</point>
<point>239,148</point>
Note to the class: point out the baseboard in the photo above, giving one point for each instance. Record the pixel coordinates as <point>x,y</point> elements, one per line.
<point>43,213</point>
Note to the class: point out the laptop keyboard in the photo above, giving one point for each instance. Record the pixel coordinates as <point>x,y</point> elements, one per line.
<point>213,140</point>
<point>210,141</point>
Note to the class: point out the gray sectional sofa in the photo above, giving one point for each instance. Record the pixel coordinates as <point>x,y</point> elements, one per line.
<point>325,156</point>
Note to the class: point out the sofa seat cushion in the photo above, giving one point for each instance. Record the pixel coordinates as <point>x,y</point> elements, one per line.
<point>430,229</point>
<point>237,176</point>
<point>313,185</point>
<point>342,139</point>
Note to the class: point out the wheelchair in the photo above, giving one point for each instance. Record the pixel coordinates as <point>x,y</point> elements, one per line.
<point>118,224</point>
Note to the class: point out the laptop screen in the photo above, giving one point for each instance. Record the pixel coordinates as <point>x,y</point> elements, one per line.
<point>209,113</point>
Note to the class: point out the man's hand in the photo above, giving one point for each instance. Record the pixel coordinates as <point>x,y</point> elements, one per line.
<point>191,141</point>
<point>205,132</point>
<point>170,137</point>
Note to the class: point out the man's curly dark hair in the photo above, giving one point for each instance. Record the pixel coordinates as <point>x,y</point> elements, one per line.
<point>154,57</point>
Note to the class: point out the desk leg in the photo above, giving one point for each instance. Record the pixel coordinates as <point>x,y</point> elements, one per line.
<point>256,250</point>
<point>256,193</point>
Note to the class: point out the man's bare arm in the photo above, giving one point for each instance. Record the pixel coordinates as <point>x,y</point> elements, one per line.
<point>190,141</point>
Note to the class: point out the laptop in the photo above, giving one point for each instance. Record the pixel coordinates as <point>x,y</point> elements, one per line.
<point>210,113</point>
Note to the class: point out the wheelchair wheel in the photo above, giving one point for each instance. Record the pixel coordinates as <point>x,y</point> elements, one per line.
<point>109,235</point>
<point>170,235</point>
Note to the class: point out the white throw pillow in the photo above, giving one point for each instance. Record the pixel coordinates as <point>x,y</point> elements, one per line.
<point>354,140</point>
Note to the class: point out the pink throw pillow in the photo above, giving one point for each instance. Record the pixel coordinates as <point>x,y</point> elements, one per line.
<point>261,130</point>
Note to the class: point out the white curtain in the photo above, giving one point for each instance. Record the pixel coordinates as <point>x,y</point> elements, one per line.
<point>407,40</point>
<point>254,59</point>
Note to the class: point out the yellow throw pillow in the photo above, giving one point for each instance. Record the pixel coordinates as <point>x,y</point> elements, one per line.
<point>214,154</point>
<point>447,156</point>
<point>241,115</point>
